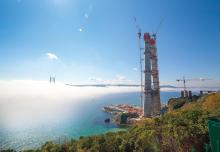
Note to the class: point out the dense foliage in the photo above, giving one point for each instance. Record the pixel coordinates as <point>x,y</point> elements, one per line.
<point>176,103</point>
<point>175,131</point>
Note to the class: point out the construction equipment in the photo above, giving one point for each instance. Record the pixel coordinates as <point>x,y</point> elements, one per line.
<point>141,52</point>
<point>150,91</point>
<point>185,92</point>
<point>141,67</point>
<point>184,82</point>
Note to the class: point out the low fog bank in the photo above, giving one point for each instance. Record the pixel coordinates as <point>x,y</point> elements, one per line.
<point>27,102</point>
<point>43,91</point>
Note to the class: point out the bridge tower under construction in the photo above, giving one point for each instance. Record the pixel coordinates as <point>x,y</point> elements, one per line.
<point>151,104</point>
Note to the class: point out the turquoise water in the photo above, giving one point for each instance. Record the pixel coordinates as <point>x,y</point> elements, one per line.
<point>69,120</point>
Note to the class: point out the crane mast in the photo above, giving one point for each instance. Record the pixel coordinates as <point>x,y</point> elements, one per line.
<point>141,68</point>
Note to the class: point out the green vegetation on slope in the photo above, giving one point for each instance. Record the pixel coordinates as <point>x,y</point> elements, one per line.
<point>175,131</point>
<point>176,103</point>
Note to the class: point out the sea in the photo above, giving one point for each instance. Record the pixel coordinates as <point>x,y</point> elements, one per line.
<point>30,117</point>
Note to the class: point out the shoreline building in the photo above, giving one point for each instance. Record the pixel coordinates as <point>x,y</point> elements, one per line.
<point>151,104</point>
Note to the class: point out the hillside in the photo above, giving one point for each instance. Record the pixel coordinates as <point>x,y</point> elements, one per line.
<point>176,131</point>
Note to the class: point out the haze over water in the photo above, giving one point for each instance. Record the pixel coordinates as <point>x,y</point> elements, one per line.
<point>33,112</point>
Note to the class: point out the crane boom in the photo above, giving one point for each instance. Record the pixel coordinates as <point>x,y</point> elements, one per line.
<point>185,80</point>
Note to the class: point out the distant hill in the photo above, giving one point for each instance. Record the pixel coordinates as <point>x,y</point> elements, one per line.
<point>167,86</point>
<point>116,85</point>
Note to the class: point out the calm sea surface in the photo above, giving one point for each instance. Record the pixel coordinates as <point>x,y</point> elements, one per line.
<point>31,126</point>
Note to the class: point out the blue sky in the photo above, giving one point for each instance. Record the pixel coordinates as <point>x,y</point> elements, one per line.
<point>96,40</point>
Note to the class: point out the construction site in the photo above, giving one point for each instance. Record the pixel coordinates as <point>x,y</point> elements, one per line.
<point>149,85</point>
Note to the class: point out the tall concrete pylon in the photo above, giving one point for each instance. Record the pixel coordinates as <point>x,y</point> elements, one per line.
<point>152,90</point>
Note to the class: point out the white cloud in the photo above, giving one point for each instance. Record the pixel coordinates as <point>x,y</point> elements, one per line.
<point>120,77</point>
<point>52,56</point>
<point>96,79</point>
<point>135,69</point>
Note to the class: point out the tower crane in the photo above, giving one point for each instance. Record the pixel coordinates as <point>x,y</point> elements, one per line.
<point>141,51</point>
<point>185,80</point>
